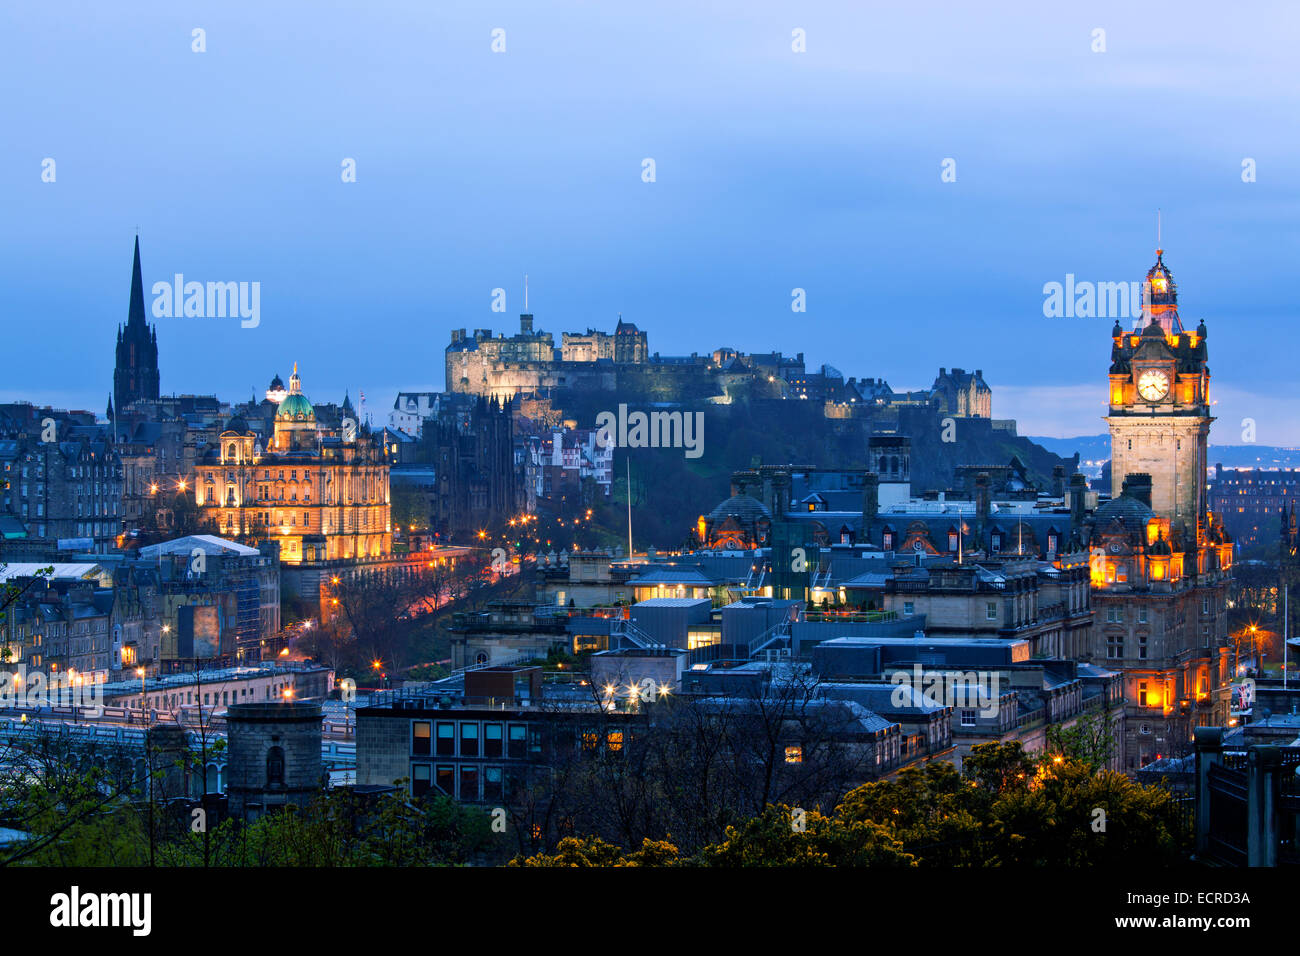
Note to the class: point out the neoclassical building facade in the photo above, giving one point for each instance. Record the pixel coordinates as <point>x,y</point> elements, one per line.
<point>321,492</point>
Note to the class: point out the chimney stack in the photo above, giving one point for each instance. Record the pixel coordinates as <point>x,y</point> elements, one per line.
<point>1078,499</point>
<point>1138,485</point>
<point>870,499</point>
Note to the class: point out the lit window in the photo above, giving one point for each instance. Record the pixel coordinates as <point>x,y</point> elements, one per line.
<point>420,738</point>
<point>794,754</point>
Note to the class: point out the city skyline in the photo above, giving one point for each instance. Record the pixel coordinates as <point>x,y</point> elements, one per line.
<point>903,272</point>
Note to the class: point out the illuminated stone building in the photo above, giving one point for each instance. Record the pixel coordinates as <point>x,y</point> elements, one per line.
<point>321,492</point>
<point>1160,560</point>
<point>1254,502</point>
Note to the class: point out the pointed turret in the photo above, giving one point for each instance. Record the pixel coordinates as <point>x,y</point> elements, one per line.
<point>1162,296</point>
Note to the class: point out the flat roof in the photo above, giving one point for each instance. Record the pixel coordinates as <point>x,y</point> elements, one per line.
<point>671,602</point>
<point>64,571</point>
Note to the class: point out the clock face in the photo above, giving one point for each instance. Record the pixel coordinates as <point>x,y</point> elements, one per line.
<point>1153,385</point>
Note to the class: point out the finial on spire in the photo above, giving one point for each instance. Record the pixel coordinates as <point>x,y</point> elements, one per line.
<point>525,292</point>
<point>1159,243</point>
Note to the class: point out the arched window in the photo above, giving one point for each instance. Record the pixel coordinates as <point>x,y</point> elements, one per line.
<point>275,767</point>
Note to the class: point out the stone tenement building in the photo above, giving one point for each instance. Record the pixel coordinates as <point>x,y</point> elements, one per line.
<point>1160,559</point>
<point>61,626</point>
<point>51,490</point>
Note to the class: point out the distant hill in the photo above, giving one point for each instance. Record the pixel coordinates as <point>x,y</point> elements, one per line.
<point>671,491</point>
<point>1096,449</point>
<point>1254,456</point>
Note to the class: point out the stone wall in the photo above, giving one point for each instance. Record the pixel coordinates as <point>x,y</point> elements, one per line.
<point>274,756</point>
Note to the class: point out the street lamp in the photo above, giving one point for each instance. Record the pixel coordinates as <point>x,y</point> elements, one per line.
<point>139,672</point>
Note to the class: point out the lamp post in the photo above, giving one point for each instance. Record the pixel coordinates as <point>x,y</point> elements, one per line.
<point>139,672</point>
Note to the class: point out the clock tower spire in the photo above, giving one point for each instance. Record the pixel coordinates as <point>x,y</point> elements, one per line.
<point>1160,409</point>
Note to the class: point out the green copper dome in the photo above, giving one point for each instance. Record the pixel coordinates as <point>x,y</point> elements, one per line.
<point>296,408</point>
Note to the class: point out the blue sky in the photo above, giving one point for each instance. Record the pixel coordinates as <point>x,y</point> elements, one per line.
<point>775,170</point>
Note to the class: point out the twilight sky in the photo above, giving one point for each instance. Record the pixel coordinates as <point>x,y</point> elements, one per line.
<point>774,170</point>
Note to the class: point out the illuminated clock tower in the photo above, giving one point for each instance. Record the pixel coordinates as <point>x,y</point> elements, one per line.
<point>1160,408</point>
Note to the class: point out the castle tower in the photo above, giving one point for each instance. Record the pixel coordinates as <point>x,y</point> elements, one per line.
<point>1160,409</point>
<point>135,375</point>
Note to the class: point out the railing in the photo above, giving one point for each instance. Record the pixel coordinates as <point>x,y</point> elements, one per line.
<point>780,631</point>
<point>626,630</point>
<point>851,617</point>
<point>507,662</point>
<point>1052,612</point>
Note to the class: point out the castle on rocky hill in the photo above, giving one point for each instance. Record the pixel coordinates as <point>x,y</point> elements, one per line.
<point>529,365</point>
